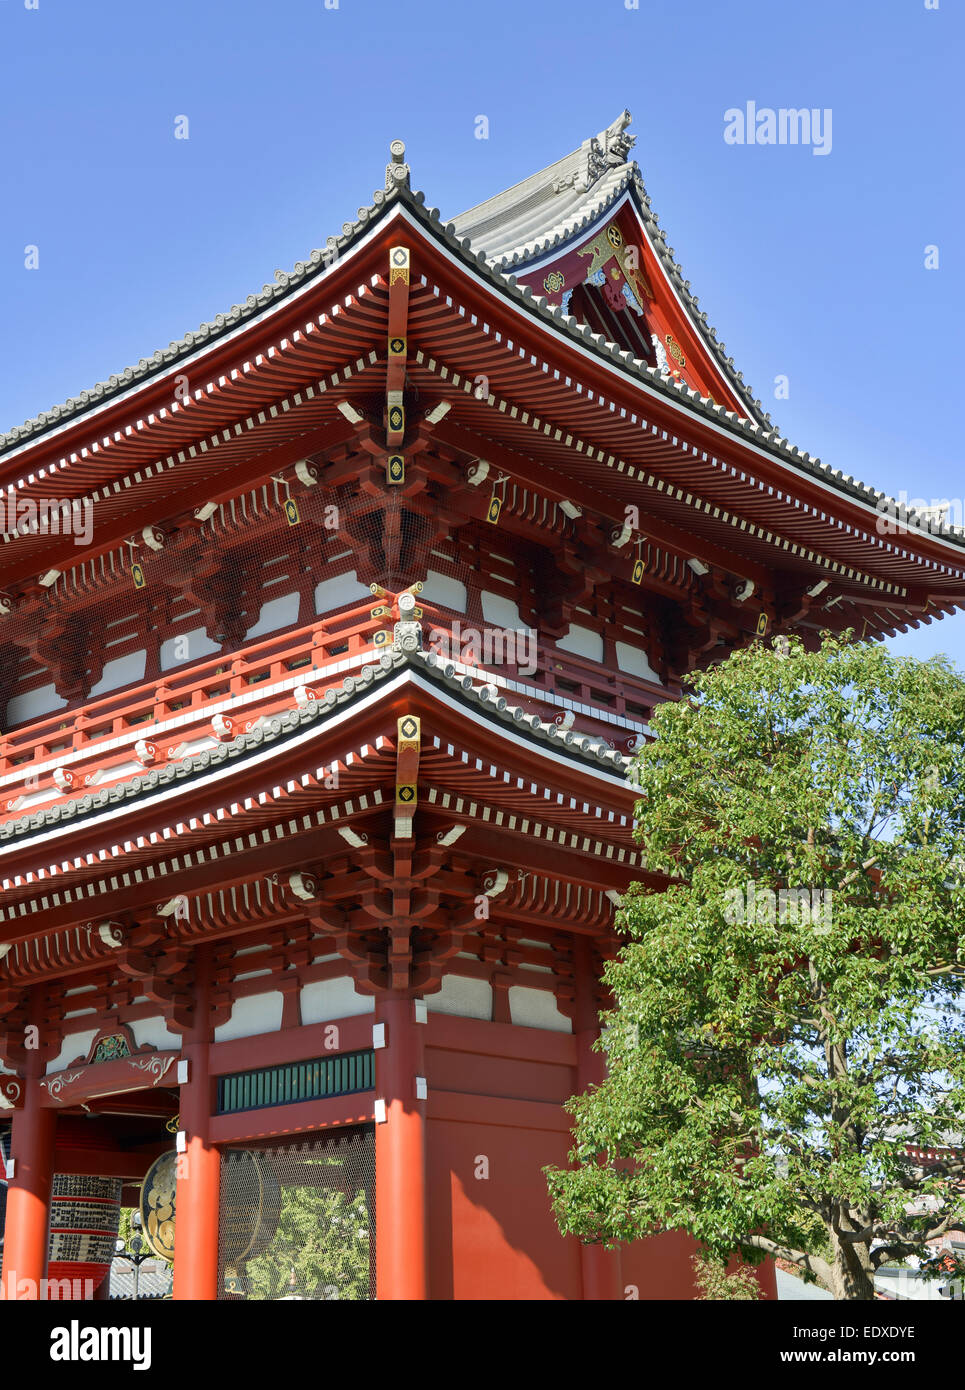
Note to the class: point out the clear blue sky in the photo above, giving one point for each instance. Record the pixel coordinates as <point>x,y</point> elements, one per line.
<point>810,267</point>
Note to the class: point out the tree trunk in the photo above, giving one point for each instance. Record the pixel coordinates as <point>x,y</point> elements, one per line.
<point>852,1275</point>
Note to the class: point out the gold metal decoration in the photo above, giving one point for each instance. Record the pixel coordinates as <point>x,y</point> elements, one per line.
<point>495,506</point>
<point>410,728</point>
<point>157,1205</point>
<point>395,466</point>
<point>396,412</point>
<point>602,249</point>
<point>399,265</point>
<point>762,625</point>
<point>613,235</point>
<point>673,347</point>
<point>137,574</point>
<point>292,512</point>
<point>251,1204</point>
<point>554,282</point>
<point>637,575</point>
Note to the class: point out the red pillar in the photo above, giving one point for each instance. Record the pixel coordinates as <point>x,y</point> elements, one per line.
<point>199,1166</point>
<point>602,1269</point>
<point>400,1155</point>
<point>27,1233</point>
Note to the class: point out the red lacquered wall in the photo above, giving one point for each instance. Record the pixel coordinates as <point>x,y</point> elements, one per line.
<point>495,1120</point>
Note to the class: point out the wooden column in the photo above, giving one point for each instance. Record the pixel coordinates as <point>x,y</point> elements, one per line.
<point>602,1272</point>
<point>199,1166</point>
<point>27,1233</point>
<point>400,1154</point>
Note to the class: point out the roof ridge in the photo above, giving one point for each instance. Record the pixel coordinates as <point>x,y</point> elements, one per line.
<point>396,184</point>
<point>284,722</point>
<point>761,430</point>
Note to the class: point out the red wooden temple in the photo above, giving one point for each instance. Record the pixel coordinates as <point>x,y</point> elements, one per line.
<point>328,635</point>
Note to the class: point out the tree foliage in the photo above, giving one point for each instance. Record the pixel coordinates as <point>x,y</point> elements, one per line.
<point>716,1283</point>
<point>789,1013</point>
<point>323,1237</point>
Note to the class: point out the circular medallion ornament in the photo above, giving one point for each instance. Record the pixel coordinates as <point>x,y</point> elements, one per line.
<point>613,235</point>
<point>250,1204</point>
<point>157,1205</point>
<point>673,347</point>
<point>554,282</point>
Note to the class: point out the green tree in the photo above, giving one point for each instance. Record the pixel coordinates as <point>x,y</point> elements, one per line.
<point>323,1235</point>
<point>789,1014</point>
<point>718,1284</point>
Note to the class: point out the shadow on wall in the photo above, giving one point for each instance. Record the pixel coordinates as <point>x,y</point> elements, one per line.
<point>492,1235</point>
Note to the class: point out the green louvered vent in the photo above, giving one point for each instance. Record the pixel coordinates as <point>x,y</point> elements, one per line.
<point>314,1080</point>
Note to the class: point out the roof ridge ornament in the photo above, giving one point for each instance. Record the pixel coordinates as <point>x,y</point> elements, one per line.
<point>397,173</point>
<point>600,154</point>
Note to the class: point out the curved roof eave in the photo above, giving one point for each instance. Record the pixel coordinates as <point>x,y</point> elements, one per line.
<point>590,754</point>
<point>321,263</point>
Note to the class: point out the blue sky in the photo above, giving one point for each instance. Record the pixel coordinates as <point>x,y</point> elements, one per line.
<point>810,267</point>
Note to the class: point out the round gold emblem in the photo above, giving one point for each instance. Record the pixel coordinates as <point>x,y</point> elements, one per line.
<point>157,1205</point>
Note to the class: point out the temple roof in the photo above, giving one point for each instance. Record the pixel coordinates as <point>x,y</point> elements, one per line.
<point>550,205</point>
<point>548,209</point>
<point>545,210</point>
<point>483,700</point>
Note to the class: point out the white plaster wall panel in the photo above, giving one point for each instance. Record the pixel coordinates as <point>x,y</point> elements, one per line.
<point>634,661</point>
<point>501,611</point>
<point>187,646</point>
<point>324,1000</point>
<point>338,591</point>
<point>259,1013</point>
<point>463,997</point>
<point>449,593</point>
<point>276,613</point>
<point>33,704</point>
<point>123,670</point>
<point>74,1045</point>
<point>536,1008</point>
<point>582,641</point>
<point>153,1033</point>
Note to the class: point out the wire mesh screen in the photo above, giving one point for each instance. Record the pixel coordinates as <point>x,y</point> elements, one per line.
<point>298,1222</point>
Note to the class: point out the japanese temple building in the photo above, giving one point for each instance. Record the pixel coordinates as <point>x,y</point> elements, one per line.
<point>328,634</point>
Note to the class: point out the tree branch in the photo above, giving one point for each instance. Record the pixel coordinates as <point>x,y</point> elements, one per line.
<point>812,1263</point>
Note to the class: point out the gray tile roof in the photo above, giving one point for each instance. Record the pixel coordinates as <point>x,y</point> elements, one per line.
<point>475,694</point>
<point>758,431</point>
<point>550,207</point>
<point>154,1279</point>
